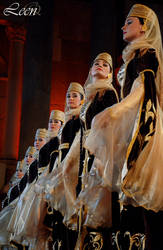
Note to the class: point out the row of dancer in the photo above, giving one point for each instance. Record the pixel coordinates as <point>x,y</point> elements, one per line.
<point>47,155</point>
<point>28,170</point>
<point>126,139</point>
<point>42,136</point>
<point>99,95</point>
<point>56,120</point>
<point>122,152</point>
<point>107,147</point>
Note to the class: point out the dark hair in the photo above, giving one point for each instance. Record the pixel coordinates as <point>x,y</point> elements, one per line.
<point>141,20</point>
<point>82,97</point>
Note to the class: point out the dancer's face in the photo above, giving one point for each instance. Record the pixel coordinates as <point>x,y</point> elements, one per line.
<point>73,99</point>
<point>39,142</point>
<point>19,173</point>
<point>29,158</point>
<point>132,29</point>
<point>100,69</point>
<point>54,125</point>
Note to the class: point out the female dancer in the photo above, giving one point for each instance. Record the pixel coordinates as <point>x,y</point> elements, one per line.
<point>56,120</point>
<point>42,136</point>
<point>32,172</point>
<point>21,190</point>
<point>130,160</point>
<point>62,237</point>
<point>22,168</point>
<point>36,232</point>
<point>6,213</point>
<point>100,94</point>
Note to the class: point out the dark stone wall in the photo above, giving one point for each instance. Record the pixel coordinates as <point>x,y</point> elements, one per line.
<point>71,48</point>
<point>37,74</point>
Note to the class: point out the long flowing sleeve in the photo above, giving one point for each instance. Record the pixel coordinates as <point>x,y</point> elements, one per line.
<point>143,182</point>
<point>110,135</point>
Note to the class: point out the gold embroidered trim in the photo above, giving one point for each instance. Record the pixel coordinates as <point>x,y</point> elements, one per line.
<point>148,114</point>
<point>59,244</point>
<point>40,170</point>
<point>146,70</point>
<point>124,75</point>
<point>115,239</point>
<point>53,152</point>
<point>96,241</point>
<point>64,145</point>
<point>13,243</point>
<point>137,239</point>
<point>59,157</point>
<point>137,130</point>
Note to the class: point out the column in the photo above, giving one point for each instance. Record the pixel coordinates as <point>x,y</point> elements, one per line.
<point>37,75</point>
<point>17,36</point>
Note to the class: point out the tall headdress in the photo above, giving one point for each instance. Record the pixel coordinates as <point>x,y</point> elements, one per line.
<point>31,150</point>
<point>106,57</point>
<point>41,133</point>
<point>102,56</point>
<point>19,165</point>
<point>75,86</point>
<point>57,114</point>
